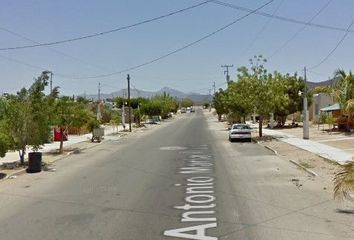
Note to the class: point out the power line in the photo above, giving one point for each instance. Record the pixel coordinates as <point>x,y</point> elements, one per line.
<point>51,49</point>
<point>179,49</point>
<point>286,19</point>
<point>207,88</point>
<point>301,29</point>
<point>104,32</point>
<point>22,62</point>
<point>263,28</point>
<point>335,48</point>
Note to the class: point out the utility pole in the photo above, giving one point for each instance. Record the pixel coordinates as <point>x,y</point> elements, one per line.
<point>123,111</point>
<point>209,100</point>
<point>129,110</point>
<point>306,112</point>
<point>51,82</point>
<point>99,91</point>
<point>227,71</point>
<point>98,114</point>
<point>214,87</point>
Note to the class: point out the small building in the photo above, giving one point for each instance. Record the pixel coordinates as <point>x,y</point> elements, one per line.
<point>343,121</point>
<point>319,101</point>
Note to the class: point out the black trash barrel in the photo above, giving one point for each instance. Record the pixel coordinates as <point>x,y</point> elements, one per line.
<point>34,162</point>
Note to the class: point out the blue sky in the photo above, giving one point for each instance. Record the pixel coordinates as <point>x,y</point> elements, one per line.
<point>194,69</point>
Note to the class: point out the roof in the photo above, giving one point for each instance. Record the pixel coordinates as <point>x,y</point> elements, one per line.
<point>331,108</point>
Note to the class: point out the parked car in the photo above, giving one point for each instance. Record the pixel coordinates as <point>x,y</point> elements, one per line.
<point>183,110</point>
<point>240,131</point>
<point>192,109</point>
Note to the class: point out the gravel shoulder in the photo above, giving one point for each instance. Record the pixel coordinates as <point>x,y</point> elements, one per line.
<point>325,169</point>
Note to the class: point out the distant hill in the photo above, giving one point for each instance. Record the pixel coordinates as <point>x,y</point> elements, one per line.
<point>134,93</point>
<point>312,85</point>
<point>195,97</point>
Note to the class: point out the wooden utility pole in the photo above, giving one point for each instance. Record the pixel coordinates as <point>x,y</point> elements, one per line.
<point>129,110</point>
<point>227,71</point>
<point>306,134</point>
<point>98,113</point>
<point>51,82</point>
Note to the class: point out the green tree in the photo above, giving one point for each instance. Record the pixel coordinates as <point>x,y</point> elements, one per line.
<point>343,91</point>
<point>256,85</point>
<point>159,106</point>
<point>82,100</point>
<point>116,119</point>
<point>27,117</point>
<point>344,88</point>
<point>5,138</point>
<point>240,97</point>
<point>18,120</point>
<point>286,98</point>
<point>186,102</point>
<point>40,110</point>
<point>220,103</point>
<point>106,114</point>
<point>68,114</point>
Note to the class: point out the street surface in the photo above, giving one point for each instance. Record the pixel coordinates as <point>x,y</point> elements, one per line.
<point>180,180</point>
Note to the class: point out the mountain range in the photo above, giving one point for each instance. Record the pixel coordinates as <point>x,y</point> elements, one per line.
<point>197,98</point>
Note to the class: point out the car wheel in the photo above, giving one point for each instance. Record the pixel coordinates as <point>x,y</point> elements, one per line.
<point>230,139</point>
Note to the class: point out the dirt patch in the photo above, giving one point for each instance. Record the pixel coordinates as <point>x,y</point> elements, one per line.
<point>262,139</point>
<point>325,169</point>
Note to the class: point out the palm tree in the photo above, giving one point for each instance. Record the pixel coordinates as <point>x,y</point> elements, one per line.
<point>344,87</point>
<point>343,92</point>
<point>344,183</point>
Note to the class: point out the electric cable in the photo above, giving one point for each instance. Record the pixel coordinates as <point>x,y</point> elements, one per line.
<point>301,29</point>
<point>281,18</point>
<point>179,49</point>
<point>104,32</point>
<point>263,28</point>
<point>51,49</point>
<point>22,62</point>
<point>335,48</point>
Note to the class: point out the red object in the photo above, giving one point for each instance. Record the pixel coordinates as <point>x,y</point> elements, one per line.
<point>57,135</point>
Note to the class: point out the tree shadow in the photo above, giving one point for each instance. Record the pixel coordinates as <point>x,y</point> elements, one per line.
<point>2,175</point>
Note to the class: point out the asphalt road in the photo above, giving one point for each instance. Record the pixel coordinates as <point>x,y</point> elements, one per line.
<point>180,180</point>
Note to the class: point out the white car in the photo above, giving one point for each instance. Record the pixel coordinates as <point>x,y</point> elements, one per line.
<point>240,131</point>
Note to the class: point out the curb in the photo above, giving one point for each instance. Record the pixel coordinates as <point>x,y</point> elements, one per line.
<point>13,174</point>
<point>305,169</point>
<point>55,160</point>
<point>271,149</point>
<point>65,155</point>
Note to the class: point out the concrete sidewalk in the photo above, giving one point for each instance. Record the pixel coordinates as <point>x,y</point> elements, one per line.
<point>326,151</point>
<point>50,147</point>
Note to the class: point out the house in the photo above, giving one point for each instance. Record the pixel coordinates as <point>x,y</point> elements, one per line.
<point>319,101</point>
